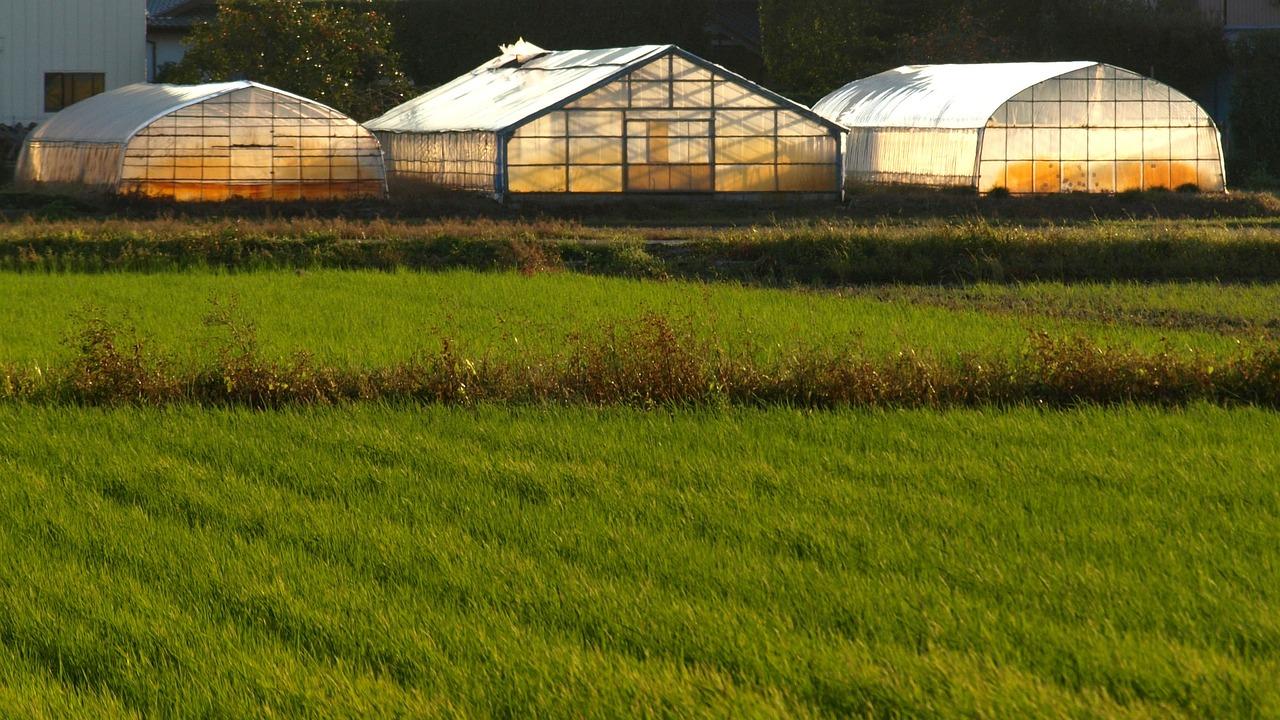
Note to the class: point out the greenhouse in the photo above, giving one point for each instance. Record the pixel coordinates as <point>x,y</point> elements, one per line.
<point>236,140</point>
<point>650,119</point>
<point>1027,128</point>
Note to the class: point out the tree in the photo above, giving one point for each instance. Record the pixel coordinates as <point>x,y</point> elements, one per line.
<point>337,54</point>
<point>1255,110</point>
<point>441,39</point>
<point>814,46</point>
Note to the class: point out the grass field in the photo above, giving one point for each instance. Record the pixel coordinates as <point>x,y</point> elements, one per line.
<point>383,562</point>
<point>716,554</point>
<point>819,251</point>
<point>368,318</point>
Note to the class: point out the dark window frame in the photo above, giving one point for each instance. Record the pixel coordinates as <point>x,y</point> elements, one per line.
<point>63,89</point>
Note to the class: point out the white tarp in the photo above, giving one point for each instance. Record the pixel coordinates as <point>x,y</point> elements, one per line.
<point>936,96</point>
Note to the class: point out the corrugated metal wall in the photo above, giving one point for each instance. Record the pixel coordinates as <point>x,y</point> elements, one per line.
<point>42,36</point>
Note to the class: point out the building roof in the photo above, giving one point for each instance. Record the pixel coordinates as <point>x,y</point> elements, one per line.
<point>516,85</point>
<point>936,96</point>
<point>114,117</point>
<point>179,14</point>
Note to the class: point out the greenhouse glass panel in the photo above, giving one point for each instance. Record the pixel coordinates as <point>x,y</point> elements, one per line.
<point>683,69</point>
<point>595,151</point>
<point>1102,177</point>
<point>993,143</point>
<point>1075,144</point>
<point>538,179</point>
<point>806,178</point>
<point>747,178</point>
<point>1128,175</point>
<point>1048,176</point>
<point>1075,176</point>
<point>597,179</point>
<point>595,124</point>
<point>1156,174</point>
<point>745,123</point>
<point>1183,173</point>
<point>659,69</point>
<point>992,176</point>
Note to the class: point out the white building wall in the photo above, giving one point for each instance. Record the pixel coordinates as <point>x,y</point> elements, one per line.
<point>165,48</point>
<point>44,36</point>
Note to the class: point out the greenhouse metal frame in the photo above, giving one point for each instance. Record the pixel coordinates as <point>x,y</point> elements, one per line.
<point>650,119</point>
<point>214,142</point>
<point>1027,128</point>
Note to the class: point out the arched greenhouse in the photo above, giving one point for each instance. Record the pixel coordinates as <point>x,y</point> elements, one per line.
<point>1025,127</point>
<point>223,141</point>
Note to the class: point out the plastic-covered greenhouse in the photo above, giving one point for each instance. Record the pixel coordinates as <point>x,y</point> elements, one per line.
<point>1025,127</point>
<point>205,142</point>
<point>650,119</point>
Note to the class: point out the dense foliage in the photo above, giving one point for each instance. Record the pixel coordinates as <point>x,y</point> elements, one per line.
<point>1255,110</point>
<point>441,39</point>
<point>814,46</point>
<point>339,55</point>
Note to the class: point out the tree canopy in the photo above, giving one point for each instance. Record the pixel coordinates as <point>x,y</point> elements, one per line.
<point>441,39</point>
<point>815,46</point>
<point>338,54</point>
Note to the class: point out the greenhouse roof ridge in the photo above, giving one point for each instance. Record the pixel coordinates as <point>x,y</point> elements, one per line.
<point>506,91</point>
<point>115,116</point>
<point>937,96</point>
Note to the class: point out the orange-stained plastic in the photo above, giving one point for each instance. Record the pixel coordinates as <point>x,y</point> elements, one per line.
<point>1182,173</point>
<point>210,192</point>
<point>1156,174</point>
<point>1075,178</point>
<point>1047,176</point>
<point>1018,176</point>
<point>1128,175</point>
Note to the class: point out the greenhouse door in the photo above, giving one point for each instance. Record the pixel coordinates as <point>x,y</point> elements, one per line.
<point>669,156</point>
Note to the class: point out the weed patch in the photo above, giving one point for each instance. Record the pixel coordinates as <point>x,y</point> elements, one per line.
<point>651,361</point>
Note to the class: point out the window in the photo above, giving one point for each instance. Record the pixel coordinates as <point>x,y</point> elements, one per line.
<point>63,89</point>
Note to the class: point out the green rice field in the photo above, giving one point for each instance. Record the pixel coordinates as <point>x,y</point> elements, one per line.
<point>395,558</point>
<point>375,561</point>
<point>368,318</point>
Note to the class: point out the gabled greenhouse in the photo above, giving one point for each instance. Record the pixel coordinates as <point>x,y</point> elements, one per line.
<point>1025,127</point>
<point>212,142</point>
<point>650,119</point>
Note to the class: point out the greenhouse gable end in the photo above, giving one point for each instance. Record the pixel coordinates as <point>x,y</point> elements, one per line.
<point>648,119</point>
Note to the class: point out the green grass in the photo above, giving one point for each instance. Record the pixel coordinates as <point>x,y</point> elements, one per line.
<point>814,250</point>
<point>381,562</point>
<point>369,318</point>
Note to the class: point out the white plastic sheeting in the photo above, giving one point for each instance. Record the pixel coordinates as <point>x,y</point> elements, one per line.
<point>205,142</point>
<point>116,116</point>
<point>1025,127</point>
<point>649,119</point>
<point>505,91</point>
<point>915,156</point>
<point>935,96</point>
<point>461,160</point>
